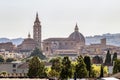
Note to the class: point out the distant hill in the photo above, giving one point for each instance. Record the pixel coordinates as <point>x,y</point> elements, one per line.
<point>112,39</point>
<point>15,41</point>
<point>3,40</point>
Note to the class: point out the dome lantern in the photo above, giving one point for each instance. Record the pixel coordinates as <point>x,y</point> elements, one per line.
<point>76,28</point>
<point>29,36</point>
<point>77,36</point>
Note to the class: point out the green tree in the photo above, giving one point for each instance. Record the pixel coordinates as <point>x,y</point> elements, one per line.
<point>93,72</point>
<point>87,61</point>
<point>36,68</point>
<point>80,70</point>
<point>1,59</point>
<point>116,67</point>
<point>38,52</point>
<point>10,59</point>
<point>108,58</point>
<point>101,71</point>
<point>56,64</point>
<point>97,59</point>
<point>66,71</point>
<point>114,57</point>
<point>4,73</point>
<point>56,67</point>
<point>53,74</point>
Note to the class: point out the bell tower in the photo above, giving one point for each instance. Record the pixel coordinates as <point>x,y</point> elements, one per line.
<point>37,31</point>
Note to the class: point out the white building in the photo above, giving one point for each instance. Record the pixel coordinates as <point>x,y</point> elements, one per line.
<point>16,68</point>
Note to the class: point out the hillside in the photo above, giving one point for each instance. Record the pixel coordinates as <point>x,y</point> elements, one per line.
<point>15,41</point>
<point>111,39</point>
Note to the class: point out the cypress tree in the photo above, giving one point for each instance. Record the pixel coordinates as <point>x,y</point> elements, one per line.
<point>80,70</point>
<point>114,57</point>
<point>101,71</point>
<point>108,58</point>
<point>88,64</point>
<point>116,67</point>
<point>66,71</point>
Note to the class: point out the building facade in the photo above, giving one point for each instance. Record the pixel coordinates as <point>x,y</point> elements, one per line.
<point>69,45</point>
<point>8,46</point>
<point>14,69</point>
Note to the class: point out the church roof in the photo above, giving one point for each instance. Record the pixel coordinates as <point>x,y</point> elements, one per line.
<point>27,45</point>
<point>29,41</point>
<point>68,54</point>
<point>75,36</point>
<point>58,39</point>
<point>23,66</point>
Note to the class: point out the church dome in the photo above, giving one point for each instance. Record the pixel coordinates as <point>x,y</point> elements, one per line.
<point>27,45</point>
<point>29,40</point>
<point>77,36</point>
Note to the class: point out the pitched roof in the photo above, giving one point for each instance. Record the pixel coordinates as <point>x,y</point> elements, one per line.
<point>58,39</point>
<point>23,66</point>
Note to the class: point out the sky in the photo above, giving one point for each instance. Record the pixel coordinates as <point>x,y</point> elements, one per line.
<point>59,17</point>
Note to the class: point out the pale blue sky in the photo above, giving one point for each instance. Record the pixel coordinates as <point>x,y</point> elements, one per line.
<point>58,17</point>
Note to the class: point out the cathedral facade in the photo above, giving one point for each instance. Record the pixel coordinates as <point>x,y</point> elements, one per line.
<point>68,45</point>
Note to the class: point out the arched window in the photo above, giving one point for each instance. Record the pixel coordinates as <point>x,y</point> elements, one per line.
<point>46,48</point>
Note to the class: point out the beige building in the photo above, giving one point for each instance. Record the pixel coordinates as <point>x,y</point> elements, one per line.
<point>69,45</point>
<point>8,46</point>
<point>99,48</point>
<point>14,69</point>
<point>15,55</point>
